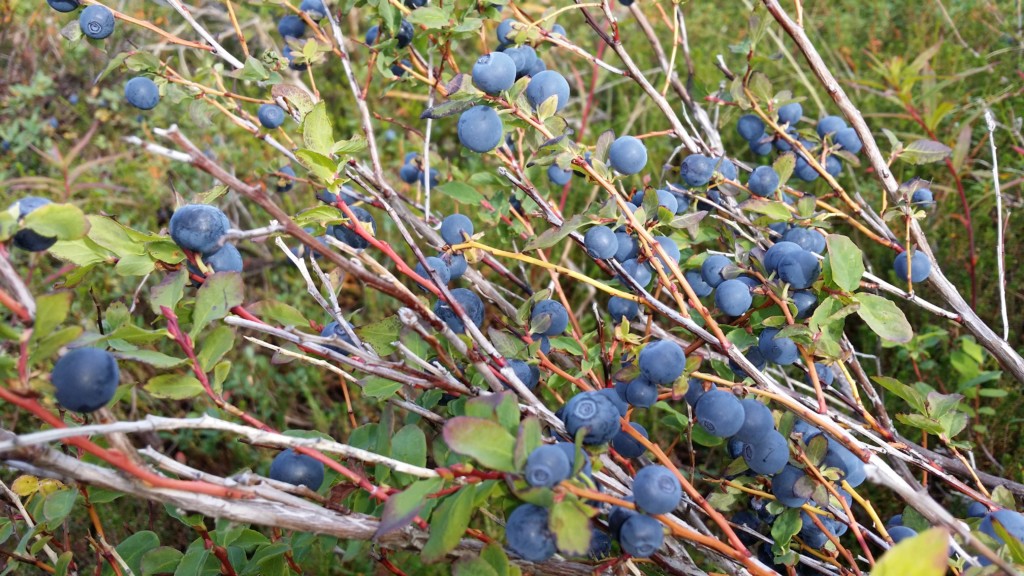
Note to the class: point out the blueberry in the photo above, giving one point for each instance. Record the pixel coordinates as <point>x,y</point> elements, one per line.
<point>546,466</point>
<point>398,68</point>
<point>549,318</point>
<point>713,268</point>
<point>527,534</point>
<point>619,308</point>
<point>662,362</point>
<point>641,393</point>
<point>1012,522</point>
<point>494,72</point>
<point>96,21</point>
<point>297,469</point>
<point>784,487</point>
<point>656,490</point>
<point>227,259</point>
<point>640,273</point>
<point>977,510</point>
<point>807,238</point>
<point>600,242</point>
<point>825,374</point>
<point>839,456</point>
<point>285,182</point>
<point>545,343</point>
<point>557,176</point>
<point>435,178</point>
<point>754,356</point>
<point>833,166</point>
<point>666,200</point>
<point>781,144</point>
<point>726,168</point>
<point>901,533</point>
<point>480,129</point>
<point>804,170</point>
<point>270,115</point>
<point>768,454</point>
<point>682,202</point>
<point>291,26</point>
<point>346,234</point>
<point>920,267</point>
<point>830,125</point>
<point>290,56</point>
<point>28,239</point>
<point>641,536</point>
<point>85,379</point>
<point>437,265</point>
<point>63,5</point>
<point>777,349</point>
<point>457,264</point>
<point>198,227</point>
<point>750,127</point>
<point>763,182</point>
<point>670,248</point>
<point>762,147</point>
<point>734,447</point>
<point>799,269</point>
<point>455,228</point>
<point>372,35</point>
<point>471,305</point>
<point>617,394</point>
<point>694,391</point>
<point>528,374</point>
<point>409,173</point>
<point>773,256</point>
<point>922,198</point>
<point>505,30</point>
<point>697,283</point>
<point>719,413</point>
<point>848,139</point>
<point>537,67</point>
<point>405,33</point>
<point>594,413</point>
<point>757,421</point>
<point>315,9</point>
<point>548,84</point>
<point>733,297</point>
<point>600,545</point>
<point>812,535</point>
<point>628,247</point>
<point>627,155</point>
<point>618,516</point>
<point>524,58</point>
<point>791,113</point>
<point>697,170</point>
<point>142,93</point>
<point>414,4</point>
<point>570,452</point>
<point>335,330</point>
<point>629,447</point>
<point>558,29</point>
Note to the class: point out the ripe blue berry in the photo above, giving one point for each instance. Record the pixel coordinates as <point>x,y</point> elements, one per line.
<point>697,169</point>
<point>791,113</point>
<point>290,57</point>
<point>548,84</point>
<point>848,139</point>
<point>977,510</point>
<point>682,202</point>
<point>270,115</point>
<point>777,349</point>
<point>399,67</point>
<point>839,456</point>
<point>641,536</point>
<point>96,21</point>
<point>505,30</point>
<point>656,490</point>
<point>619,308</point>
<point>546,466</point>
<point>662,362</point>
<point>600,242</point>
<point>409,173</point>
<point>494,72</point>
<point>713,268</point>
<point>438,266</point>
<point>594,413</point>
<point>720,413</point>
<point>524,58</point>
<point>600,545</point>
<point>582,459</point>
<point>618,516</point>
<point>694,391</point>
<point>920,267</point>
<point>804,170</point>
<point>774,254</point>
<point>627,155</point>
<point>346,234</point>
<point>227,259</point>
<point>27,239</point>
<point>754,356</point>
<point>455,228</point>
<point>833,166</point>
<point>480,129</point>
<point>901,533</point>
<point>85,379</point>
<point>697,283</point>
<point>291,26</point>
<point>757,421</point>
<point>825,374</point>
<point>537,67</point>
<point>763,182</point>
<point>830,125</point>
<point>198,227</point>
<point>628,247</point>
<point>768,454</point>
<point>558,29</point>
<point>297,469</point>
<point>807,238</point>
<point>528,374</point>
<point>314,8</point>
<point>640,273</point>
<point>762,147</point>
<point>471,305</point>
<point>799,269</point>
<point>372,35</point>
<point>617,395</point>
<point>641,393</point>
<point>557,176</point>
<point>549,318</point>
<point>63,5</point>
<point>922,198</point>
<point>142,93</point>
<point>627,446</point>
<point>405,33</point>
<point>457,264</point>
<point>285,181</point>
<point>750,127</point>
<point>733,297</point>
<point>784,487</point>
<point>527,534</point>
<point>335,330</point>
<point>1011,521</point>
<point>725,168</point>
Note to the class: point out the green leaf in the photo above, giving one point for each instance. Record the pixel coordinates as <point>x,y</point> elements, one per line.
<point>772,209</point>
<point>786,526</point>
<point>63,562</point>
<point>134,265</point>
<point>498,560</point>
<point>380,388</point>
<point>135,546</point>
<point>160,560</point>
<point>214,346</point>
<point>571,526</point>
<point>432,17</point>
<point>60,221</point>
<point>409,445</point>
<point>58,505</point>
<point>169,291</point>
<point>473,567</point>
<point>553,236</point>
<point>506,344</point>
<point>925,152</point>
<point>322,167</point>
<point>151,357</point>
<point>48,346</point>
<point>907,393</point>
<point>381,335</point>
<point>846,260</point>
<point>784,166</point>
<point>357,143</point>
<point>460,192</point>
<point>81,252</point>
<point>219,294</point>
<point>449,523</point>
<point>529,438</point>
<point>401,508</point>
<point>317,132</point>
<point>51,310</point>
<point>484,440</point>
<point>174,386</point>
<point>252,71</point>
<point>449,108</point>
<point>279,312</point>
<point>923,555</point>
<point>109,234</point>
<point>884,318</point>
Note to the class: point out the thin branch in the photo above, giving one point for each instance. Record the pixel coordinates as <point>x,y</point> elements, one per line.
<point>990,122</point>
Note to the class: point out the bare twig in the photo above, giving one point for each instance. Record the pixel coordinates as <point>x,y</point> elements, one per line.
<point>990,122</point>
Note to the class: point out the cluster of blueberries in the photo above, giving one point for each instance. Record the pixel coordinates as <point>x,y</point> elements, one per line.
<point>201,229</point>
<point>412,171</point>
<point>480,128</point>
<point>293,27</point>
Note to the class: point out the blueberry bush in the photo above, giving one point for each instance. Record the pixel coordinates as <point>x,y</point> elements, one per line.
<point>489,287</point>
